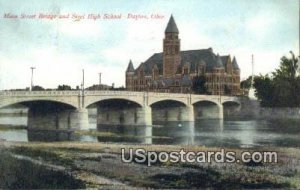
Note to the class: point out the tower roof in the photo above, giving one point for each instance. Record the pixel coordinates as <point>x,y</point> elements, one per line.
<point>234,64</point>
<point>171,27</point>
<point>130,67</point>
<point>219,63</point>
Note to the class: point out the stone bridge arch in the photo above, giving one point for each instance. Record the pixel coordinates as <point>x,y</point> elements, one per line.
<point>207,109</point>
<point>118,111</point>
<point>161,100</point>
<point>168,110</point>
<point>231,102</point>
<point>231,108</point>
<point>90,102</point>
<point>11,101</point>
<point>155,100</point>
<point>207,101</point>
<point>92,97</point>
<point>230,99</point>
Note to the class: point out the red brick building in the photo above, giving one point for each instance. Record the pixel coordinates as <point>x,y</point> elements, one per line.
<point>173,70</point>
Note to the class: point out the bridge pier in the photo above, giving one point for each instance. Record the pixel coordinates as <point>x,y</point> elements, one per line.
<point>125,116</point>
<point>221,114</point>
<point>148,135</point>
<point>58,120</point>
<point>79,119</point>
<point>146,112</point>
<point>190,113</point>
<point>187,113</point>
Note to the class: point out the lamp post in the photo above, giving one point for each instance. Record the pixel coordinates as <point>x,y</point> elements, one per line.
<point>100,81</point>
<point>100,75</point>
<point>82,90</point>
<point>220,87</point>
<point>252,77</point>
<point>31,85</point>
<point>82,81</point>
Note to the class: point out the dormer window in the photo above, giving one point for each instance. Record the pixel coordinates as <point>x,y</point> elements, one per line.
<point>200,69</point>
<point>185,69</point>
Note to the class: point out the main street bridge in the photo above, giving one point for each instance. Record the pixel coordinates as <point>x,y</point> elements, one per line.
<point>69,108</point>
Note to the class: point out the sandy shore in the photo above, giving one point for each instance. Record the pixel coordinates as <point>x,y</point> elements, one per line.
<point>99,165</point>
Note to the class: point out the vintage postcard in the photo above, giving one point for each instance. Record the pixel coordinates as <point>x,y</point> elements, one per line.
<point>149,94</point>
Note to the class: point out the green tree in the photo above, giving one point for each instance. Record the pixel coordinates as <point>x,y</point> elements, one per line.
<point>37,88</point>
<point>264,90</point>
<point>246,84</point>
<point>198,85</point>
<point>283,88</point>
<point>287,82</point>
<point>64,87</point>
<point>287,69</point>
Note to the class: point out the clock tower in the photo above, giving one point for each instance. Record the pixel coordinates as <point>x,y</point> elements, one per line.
<point>171,49</point>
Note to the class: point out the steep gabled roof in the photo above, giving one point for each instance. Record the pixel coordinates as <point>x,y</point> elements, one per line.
<point>224,59</point>
<point>155,59</point>
<point>234,64</point>
<point>130,67</point>
<point>192,57</point>
<point>186,81</point>
<point>219,63</point>
<point>171,27</point>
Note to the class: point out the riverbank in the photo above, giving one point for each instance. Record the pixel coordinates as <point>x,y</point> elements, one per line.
<point>11,127</point>
<point>99,165</point>
<point>251,108</point>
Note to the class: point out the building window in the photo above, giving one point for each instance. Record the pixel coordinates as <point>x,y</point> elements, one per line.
<point>176,49</point>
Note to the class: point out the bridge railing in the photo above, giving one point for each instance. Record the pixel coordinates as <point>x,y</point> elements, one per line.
<point>110,92</point>
<point>68,92</point>
<point>124,93</point>
<point>39,93</point>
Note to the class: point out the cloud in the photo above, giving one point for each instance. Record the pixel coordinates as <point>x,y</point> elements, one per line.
<point>60,50</point>
<point>79,29</point>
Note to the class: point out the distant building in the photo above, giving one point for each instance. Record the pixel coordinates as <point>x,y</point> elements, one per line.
<point>99,87</point>
<point>173,70</point>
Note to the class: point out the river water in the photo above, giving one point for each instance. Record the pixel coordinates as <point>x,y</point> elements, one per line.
<point>217,133</point>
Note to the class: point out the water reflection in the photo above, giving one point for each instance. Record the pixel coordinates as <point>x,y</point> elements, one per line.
<point>49,136</point>
<point>14,135</point>
<point>13,120</point>
<point>219,133</point>
<point>56,136</point>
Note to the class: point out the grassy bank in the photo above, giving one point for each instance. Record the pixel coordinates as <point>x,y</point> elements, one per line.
<point>23,174</point>
<point>114,135</point>
<point>102,160</point>
<point>11,127</point>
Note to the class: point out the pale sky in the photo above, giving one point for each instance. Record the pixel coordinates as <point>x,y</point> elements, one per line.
<point>61,48</point>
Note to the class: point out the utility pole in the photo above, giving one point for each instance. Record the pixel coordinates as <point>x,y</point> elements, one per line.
<point>99,81</point>
<point>252,77</point>
<point>299,65</point>
<point>82,80</point>
<point>82,89</point>
<point>251,92</point>
<point>31,86</point>
<point>220,86</point>
<point>293,61</point>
